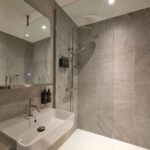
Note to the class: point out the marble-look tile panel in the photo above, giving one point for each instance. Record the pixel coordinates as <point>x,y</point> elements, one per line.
<point>88,122</point>
<point>142,27</point>
<point>104,95</point>
<point>123,92</point>
<point>3,68</point>
<point>105,121</point>
<point>16,108</point>
<point>124,64</point>
<point>87,68</point>
<point>122,78</point>
<point>103,55</point>
<point>142,64</point>
<point>9,96</point>
<point>105,30</point>
<point>87,94</point>
<point>123,113</point>
<point>142,134</point>
<point>123,32</point>
<point>123,132</point>
<point>105,72</point>
<point>142,102</point>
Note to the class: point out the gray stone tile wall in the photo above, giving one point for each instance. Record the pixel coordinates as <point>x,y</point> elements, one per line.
<point>114,82</point>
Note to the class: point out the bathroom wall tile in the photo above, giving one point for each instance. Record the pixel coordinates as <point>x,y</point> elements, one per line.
<point>88,71</point>
<point>3,68</point>
<point>123,32</point>
<point>142,27</point>
<point>123,92</point>
<point>123,113</point>
<point>103,55</point>
<point>9,96</point>
<point>87,94</point>
<point>3,39</point>
<point>105,30</point>
<point>142,134</point>
<point>123,117</point>
<point>123,132</point>
<point>105,72</point>
<point>104,64</point>
<point>105,121</point>
<point>142,102</point>
<point>122,79</point>
<point>64,106</point>
<point>124,64</point>
<point>17,107</point>
<point>142,61</point>
<point>104,95</point>
<point>88,122</point>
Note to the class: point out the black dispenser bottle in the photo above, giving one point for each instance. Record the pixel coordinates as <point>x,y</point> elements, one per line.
<point>44,97</point>
<point>49,96</point>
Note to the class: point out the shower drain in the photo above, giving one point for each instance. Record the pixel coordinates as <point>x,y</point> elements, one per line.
<point>41,129</point>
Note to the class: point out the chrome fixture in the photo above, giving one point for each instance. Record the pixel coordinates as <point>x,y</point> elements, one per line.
<point>32,106</point>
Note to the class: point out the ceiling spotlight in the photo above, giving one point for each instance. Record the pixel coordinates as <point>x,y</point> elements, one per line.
<point>27,35</point>
<point>111,2</point>
<point>44,27</point>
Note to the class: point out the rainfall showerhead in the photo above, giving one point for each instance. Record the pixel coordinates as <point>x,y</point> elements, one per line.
<point>79,50</point>
<point>89,46</point>
<point>92,33</point>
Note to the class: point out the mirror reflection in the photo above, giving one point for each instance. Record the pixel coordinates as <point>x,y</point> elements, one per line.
<point>25,49</point>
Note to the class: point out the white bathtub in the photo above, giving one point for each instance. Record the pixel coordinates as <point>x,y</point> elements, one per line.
<point>83,140</point>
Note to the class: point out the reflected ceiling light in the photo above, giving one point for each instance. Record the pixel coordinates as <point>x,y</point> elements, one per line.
<point>111,2</point>
<point>28,74</point>
<point>27,35</point>
<point>44,27</point>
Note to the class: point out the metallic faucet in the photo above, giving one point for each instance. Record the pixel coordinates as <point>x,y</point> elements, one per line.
<point>32,106</point>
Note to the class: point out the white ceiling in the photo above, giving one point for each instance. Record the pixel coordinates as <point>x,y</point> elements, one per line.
<point>13,21</point>
<point>84,12</point>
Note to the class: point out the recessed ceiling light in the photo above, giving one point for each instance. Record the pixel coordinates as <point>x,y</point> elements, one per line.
<point>111,2</point>
<point>27,35</point>
<point>44,27</point>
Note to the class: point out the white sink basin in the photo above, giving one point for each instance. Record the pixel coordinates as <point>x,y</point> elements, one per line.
<point>23,129</point>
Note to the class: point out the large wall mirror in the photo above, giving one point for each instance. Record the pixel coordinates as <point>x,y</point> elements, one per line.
<point>25,45</point>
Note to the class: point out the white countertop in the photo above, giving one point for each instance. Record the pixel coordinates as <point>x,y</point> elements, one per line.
<point>83,140</point>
